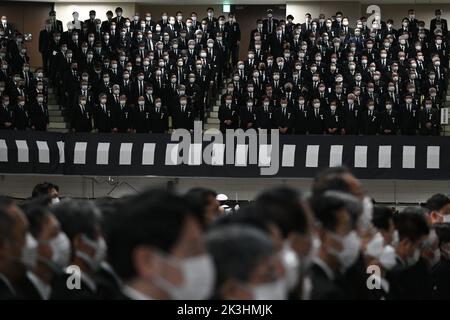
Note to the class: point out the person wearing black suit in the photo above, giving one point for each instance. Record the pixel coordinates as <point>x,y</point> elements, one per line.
<point>176,216</point>
<point>140,116</point>
<point>228,114</point>
<point>7,27</point>
<point>429,120</point>
<point>106,25</point>
<point>247,115</point>
<point>351,116</point>
<point>39,114</point>
<point>439,22</point>
<point>264,115</point>
<point>80,221</point>
<point>333,120</point>
<point>232,36</point>
<point>12,267</point>
<point>410,278</point>
<point>370,120</point>
<point>316,119</point>
<point>389,121</point>
<point>270,24</point>
<point>124,114</point>
<point>326,271</point>
<point>104,116</point>
<point>119,19</point>
<point>90,23</point>
<point>45,37</point>
<point>6,119</point>
<point>283,117</point>
<point>183,115</point>
<point>21,117</point>
<point>81,116</point>
<point>441,271</point>
<point>57,25</point>
<point>408,117</point>
<point>53,253</point>
<point>159,118</point>
<point>301,116</point>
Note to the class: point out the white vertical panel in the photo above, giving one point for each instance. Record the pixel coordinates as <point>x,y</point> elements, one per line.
<point>360,156</point>
<point>79,156</point>
<point>312,156</point>
<point>3,151</point>
<point>241,155</point>
<point>384,156</point>
<point>195,154</point>
<point>336,155</point>
<point>218,153</point>
<point>288,157</point>
<point>22,151</point>
<point>409,157</point>
<point>433,154</point>
<point>172,154</point>
<point>103,152</point>
<point>148,154</point>
<point>125,153</point>
<point>60,145</point>
<point>43,152</point>
<point>265,155</point>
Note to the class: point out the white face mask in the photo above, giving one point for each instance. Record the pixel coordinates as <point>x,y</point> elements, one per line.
<point>375,246</point>
<point>276,290</point>
<point>198,278</point>
<point>412,260</point>
<point>350,249</point>
<point>100,249</point>
<point>387,257</point>
<point>29,252</point>
<point>291,264</point>
<point>60,246</point>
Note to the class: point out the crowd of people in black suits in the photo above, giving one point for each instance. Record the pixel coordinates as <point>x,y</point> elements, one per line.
<point>157,244</point>
<point>321,76</point>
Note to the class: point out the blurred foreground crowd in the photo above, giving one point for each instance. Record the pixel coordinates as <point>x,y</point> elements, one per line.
<point>285,244</point>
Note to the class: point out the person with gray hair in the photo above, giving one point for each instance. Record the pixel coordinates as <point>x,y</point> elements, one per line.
<point>246,263</point>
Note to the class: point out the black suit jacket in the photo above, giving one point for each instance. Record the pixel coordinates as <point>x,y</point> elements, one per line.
<point>324,288</point>
<point>441,278</point>
<point>5,292</point>
<point>27,290</point>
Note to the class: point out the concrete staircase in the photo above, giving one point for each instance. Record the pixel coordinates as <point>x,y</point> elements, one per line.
<point>57,120</point>
<point>213,115</point>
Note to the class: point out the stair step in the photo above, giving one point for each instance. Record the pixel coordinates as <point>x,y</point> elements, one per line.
<point>213,114</point>
<point>57,130</point>
<point>211,126</point>
<point>57,125</point>
<point>58,118</point>
<point>213,120</point>
<point>54,113</point>
<point>53,107</point>
<point>215,108</point>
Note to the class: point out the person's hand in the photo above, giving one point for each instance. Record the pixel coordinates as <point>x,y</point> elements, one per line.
<point>343,131</point>
<point>428,125</point>
<point>8,124</point>
<point>387,131</point>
